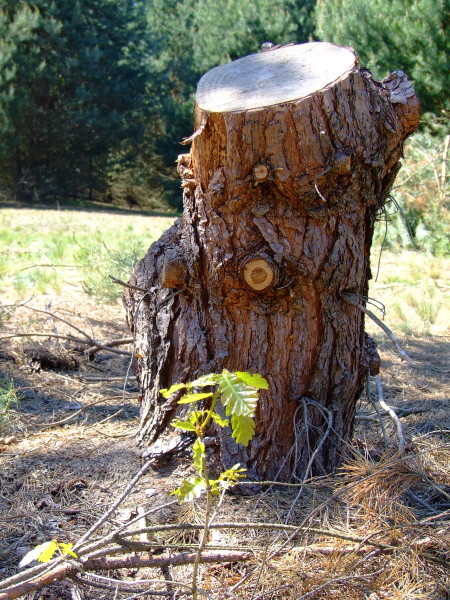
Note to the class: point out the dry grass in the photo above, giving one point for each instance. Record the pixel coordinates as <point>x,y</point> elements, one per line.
<point>71,452</point>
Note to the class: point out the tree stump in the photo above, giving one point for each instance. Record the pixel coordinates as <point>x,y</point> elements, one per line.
<point>294,155</point>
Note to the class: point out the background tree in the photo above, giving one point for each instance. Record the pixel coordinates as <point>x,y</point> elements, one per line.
<point>413,35</point>
<point>195,36</point>
<point>72,83</point>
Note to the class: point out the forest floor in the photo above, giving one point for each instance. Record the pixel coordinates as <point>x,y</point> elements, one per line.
<point>68,451</point>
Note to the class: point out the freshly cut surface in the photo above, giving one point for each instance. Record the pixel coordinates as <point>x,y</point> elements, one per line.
<point>273,77</point>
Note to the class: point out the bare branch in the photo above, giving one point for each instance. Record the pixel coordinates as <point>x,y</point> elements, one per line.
<point>392,414</point>
<point>127,285</point>
<point>69,568</point>
<point>352,299</point>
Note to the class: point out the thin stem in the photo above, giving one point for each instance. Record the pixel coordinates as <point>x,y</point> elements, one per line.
<point>209,499</point>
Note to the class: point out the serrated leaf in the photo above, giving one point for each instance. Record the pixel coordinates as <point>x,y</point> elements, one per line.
<point>190,488</point>
<point>255,380</point>
<point>174,388</point>
<point>242,429</point>
<point>43,553</point>
<point>198,455</point>
<point>220,420</point>
<point>231,476</point>
<point>237,397</point>
<point>190,398</point>
<point>203,381</point>
<point>184,425</point>
<point>66,549</point>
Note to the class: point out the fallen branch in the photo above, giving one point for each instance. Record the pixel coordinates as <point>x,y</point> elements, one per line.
<point>93,379</point>
<point>70,568</point>
<point>71,338</point>
<point>400,412</point>
<point>272,526</point>
<point>353,300</point>
<point>111,344</point>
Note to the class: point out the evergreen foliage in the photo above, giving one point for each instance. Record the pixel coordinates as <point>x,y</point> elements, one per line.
<point>197,35</point>
<point>72,93</point>
<point>395,34</point>
<point>95,95</point>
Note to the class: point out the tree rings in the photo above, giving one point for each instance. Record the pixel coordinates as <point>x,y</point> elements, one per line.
<point>258,274</point>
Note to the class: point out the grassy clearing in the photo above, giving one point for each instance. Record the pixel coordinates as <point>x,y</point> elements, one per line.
<point>45,251</point>
<point>73,449</point>
<point>417,214</point>
<point>414,287</point>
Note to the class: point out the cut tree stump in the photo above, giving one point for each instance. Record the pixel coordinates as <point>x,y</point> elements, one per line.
<point>294,155</point>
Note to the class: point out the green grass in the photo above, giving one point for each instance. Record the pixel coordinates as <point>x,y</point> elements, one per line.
<point>8,399</point>
<point>417,214</point>
<point>44,251</point>
<point>414,288</point>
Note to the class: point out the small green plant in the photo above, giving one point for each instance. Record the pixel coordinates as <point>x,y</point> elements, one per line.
<point>426,305</point>
<point>98,262</point>
<point>8,397</point>
<point>238,393</point>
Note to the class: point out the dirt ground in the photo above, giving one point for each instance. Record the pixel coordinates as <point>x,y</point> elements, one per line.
<point>67,451</point>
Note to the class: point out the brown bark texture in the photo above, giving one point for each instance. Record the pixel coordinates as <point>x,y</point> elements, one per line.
<point>280,203</point>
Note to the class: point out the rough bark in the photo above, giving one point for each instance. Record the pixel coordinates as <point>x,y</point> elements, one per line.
<point>280,200</point>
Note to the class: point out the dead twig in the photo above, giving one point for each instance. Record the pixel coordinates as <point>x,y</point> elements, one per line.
<point>127,285</point>
<point>118,586</point>
<point>69,338</point>
<point>47,265</point>
<point>345,579</point>
<point>287,586</point>
<point>353,300</point>
<point>59,570</point>
<point>70,417</point>
<point>271,526</point>
<point>93,379</point>
<point>392,414</point>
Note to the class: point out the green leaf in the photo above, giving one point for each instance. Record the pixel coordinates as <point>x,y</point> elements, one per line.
<point>199,455</point>
<point>184,425</point>
<point>203,381</point>
<point>242,429</point>
<point>220,420</point>
<point>190,398</point>
<point>214,486</point>
<point>174,388</point>
<point>231,476</point>
<point>237,397</point>
<point>66,549</point>
<point>196,417</point>
<point>255,380</point>
<point>190,488</point>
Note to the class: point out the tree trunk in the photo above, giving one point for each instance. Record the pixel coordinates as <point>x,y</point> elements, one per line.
<point>295,153</point>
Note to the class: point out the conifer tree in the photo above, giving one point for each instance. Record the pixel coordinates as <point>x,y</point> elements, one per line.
<point>411,35</point>
<point>72,93</point>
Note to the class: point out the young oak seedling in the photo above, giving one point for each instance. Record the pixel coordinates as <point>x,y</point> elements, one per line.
<point>238,393</point>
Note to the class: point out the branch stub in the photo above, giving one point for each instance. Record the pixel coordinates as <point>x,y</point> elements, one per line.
<point>258,274</point>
